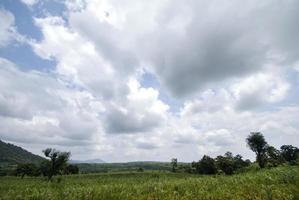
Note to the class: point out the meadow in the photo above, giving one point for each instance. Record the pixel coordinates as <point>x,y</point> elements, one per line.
<point>280,183</point>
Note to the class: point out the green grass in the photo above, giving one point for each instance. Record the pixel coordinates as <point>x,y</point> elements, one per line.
<point>275,184</point>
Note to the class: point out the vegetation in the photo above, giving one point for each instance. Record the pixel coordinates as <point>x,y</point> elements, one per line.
<point>258,144</point>
<point>281,183</point>
<point>28,169</point>
<point>12,155</point>
<point>56,164</point>
<point>126,167</point>
<point>174,164</point>
<point>289,153</point>
<point>174,180</point>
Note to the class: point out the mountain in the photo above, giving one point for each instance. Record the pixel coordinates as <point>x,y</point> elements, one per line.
<point>11,154</point>
<point>92,161</point>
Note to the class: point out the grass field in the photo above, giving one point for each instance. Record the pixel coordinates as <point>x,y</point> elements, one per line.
<point>275,184</point>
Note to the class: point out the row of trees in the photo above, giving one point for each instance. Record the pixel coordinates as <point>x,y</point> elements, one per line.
<point>56,164</point>
<point>266,155</point>
<point>227,163</point>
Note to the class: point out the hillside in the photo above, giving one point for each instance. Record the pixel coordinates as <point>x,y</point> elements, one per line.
<point>11,154</point>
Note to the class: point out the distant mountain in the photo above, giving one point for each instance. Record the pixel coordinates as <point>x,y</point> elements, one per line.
<point>92,161</point>
<point>11,154</point>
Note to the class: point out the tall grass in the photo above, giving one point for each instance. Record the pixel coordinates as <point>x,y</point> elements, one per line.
<point>274,184</point>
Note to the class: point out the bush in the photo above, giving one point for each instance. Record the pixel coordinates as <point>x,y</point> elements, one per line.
<point>207,165</point>
<point>28,169</point>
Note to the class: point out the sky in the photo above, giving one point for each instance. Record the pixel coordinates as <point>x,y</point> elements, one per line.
<point>131,80</point>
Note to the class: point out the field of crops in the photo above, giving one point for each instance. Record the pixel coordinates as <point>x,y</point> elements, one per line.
<point>275,184</point>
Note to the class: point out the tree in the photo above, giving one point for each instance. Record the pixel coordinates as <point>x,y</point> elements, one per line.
<point>274,157</point>
<point>71,169</point>
<point>174,164</point>
<point>258,144</point>
<point>289,152</point>
<point>225,164</point>
<point>56,164</point>
<point>229,163</point>
<point>140,169</point>
<point>239,163</point>
<point>207,165</point>
<point>28,169</point>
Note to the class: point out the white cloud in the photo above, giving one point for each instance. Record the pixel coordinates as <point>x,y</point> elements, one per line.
<point>38,108</point>
<point>7,29</point>
<point>30,2</point>
<point>21,97</point>
<point>141,111</point>
<point>260,89</point>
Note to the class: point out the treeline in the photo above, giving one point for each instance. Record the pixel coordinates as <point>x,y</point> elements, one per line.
<point>56,164</point>
<point>266,156</point>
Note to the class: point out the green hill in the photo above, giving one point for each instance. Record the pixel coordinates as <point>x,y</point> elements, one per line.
<point>11,154</point>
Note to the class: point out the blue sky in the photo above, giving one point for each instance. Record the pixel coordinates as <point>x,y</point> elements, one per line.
<point>135,80</point>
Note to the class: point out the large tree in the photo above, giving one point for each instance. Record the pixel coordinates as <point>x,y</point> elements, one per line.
<point>58,160</point>
<point>258,144</point>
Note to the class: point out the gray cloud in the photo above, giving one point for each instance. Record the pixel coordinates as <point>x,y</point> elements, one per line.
<point>118,121</point>
<point>193,44</point>
<point>222,40</point>
<point>147,145</point>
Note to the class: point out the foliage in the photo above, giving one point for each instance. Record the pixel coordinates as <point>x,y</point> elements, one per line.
<point>56,164</point>
<point>28,169</point>
<point>239,163</point>
<point>281,183</point>
<point>258,144</point>
<point>71,169</point>
<point>124,167</point>
<point>229,163</point>
<point>206,165</point>
<point>289,152</point>
<point>274,157</point>
<point>174,164</point>
<point>12,154</point>
<point>226,163</point>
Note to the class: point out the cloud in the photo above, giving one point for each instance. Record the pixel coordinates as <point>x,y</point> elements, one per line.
<point>142,111</point>
<point>260,89</point>
<point>21,96</point>
<point>39,108</point>
<point>190,45</point>
<point>220,40</point>
<point>230,65</point>
<point>129,108</point>
<point>148,143</point>
<point>7,29</point>
<point>30,2</point>
<point>78,60</point>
